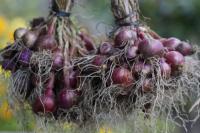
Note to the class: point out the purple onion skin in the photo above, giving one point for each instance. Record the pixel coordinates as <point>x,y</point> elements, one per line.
<point>98,60</point>
<point>124,36</point>
<point>105,48</point>
<point>73,79</point>
<point>67,99</point>
<point>165,68</point>
<point>45,103</point>
<point>185,49</point>
<point>151,47</point>
<point>122,76</point>
<point>58,59</point>
<point>175,59</point>
<point>132,52</point>
<point>137,67</point>
<point>171,43</point>
<point>24,57</point>
<point>89,45</point>
<point>146,69</point>
<point>8,65</point>
<point>46,42</point>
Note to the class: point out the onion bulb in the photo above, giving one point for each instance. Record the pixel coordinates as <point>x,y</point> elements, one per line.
<point>124,36</point>
<point>122,76</point>
<point>175,59</point>
<point>19,33</point>
<point>67,98</point>
<point>150,47</point>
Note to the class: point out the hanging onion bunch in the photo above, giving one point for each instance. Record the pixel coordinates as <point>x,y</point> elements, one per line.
<point>41,62</point>
<point>136,71</point>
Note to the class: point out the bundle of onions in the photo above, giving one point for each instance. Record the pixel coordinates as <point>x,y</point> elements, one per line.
<point>42,64</point>
<point>137,70</point>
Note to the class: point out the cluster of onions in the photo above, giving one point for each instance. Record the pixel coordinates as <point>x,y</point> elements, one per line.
<point>136,49</point>
<point>69,77</point>
<point>49,91</point>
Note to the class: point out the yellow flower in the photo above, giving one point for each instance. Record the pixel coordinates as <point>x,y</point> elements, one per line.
<point>105,130</point>
<point>6,74</point>
<point>3,25</point>
<point>5,111</point>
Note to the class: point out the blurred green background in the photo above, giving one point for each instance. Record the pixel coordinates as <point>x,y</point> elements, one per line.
<point>179,18</point>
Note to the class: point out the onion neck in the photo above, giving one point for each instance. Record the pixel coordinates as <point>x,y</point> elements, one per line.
<point>50,85</point>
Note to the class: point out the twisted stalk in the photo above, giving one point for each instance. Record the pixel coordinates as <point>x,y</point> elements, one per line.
<point>125,11</point>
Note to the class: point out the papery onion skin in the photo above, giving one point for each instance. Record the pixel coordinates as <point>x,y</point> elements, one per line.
<point>175,59</point>
<point>141,67</point>
<point>151,47</point>
<point>58,59</point>
<point>19,33</point>
<point>8,65</point>
<point>30,38</point>
<point>44,104</point>
<point>25,56</point>
<point>171,43</point>
<point>89,44</point>
<point>67,98</point>
<point>124,36</point>
<point>122,76</point>
<point>185,49</point>
<point>105,48</point>
<point>132,52</point>
<point>165,68</point>
<point>46,42</point>
<point>98,60</point>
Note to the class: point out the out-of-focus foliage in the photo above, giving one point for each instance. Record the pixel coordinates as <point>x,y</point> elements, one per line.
<point>173,17</point>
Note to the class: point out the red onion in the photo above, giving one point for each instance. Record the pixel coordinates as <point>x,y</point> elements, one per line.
<point>146,69</point>
<point>175,59</point>
<point>19,33</point>
<point>185,48</point>
<point>147,86</point>
<point>141,67</point>
<point>132,52</point>
<point>165,68</point>
<point>71,80</point>
<point>46,103</point>
<point>30,38</point>
<point>25,56</point>
<point>124,36</point>
<point>105,48</point>
<point>88,42</point>
<point>58,59</point>
<point>150,47</point>
<point>67,99</point>
<point>122,76</point>
<point>46,42</point>
<point>98,60</point>
<point>171,43</point>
